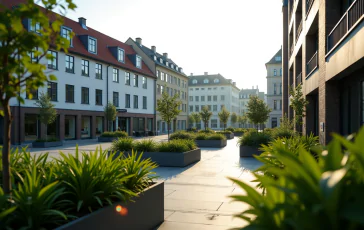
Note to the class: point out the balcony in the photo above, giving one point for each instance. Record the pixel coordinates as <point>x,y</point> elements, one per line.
<point>353,15</point>
<point>299,31</point>
<point>312,64</point>
<point>299,79</point>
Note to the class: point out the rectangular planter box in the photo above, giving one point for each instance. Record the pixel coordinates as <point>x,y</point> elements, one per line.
<point>146,212</point>
<point>211,143</point>
<point>229,136</point>
<point>106,139</point>
<point>249,151</point>
<point>238,134</point>
<point>46,144</point>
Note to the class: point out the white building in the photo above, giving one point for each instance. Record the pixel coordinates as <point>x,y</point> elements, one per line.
<point>213,91</point>
<point>244,97</point>
<point>274,89</point>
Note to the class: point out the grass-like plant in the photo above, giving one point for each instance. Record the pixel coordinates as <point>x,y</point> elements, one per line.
<point>231,129</point>
<point>5,209</point>
<point>207,131</point>
<point>147,145</point>
<point>255,139</point>
<point>182,135</point>
<point>177,146</point>
<point>120,134</point>
<point>240,130</point>
<point>308,192</point>
<point>216,136</point>
<point>201,136</point>
<point>122,145</point>
<point>225,132</point>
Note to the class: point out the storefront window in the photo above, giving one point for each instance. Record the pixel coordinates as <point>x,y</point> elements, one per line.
<point>31,127</point>
<point>70,127</point>
<point>150,124</point>
<point>99,125</point>
<point>86,127</point>
<point>138,126</point>
<point>53,129</point>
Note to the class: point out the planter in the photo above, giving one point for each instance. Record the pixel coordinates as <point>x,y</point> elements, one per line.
<point>169,159</point>
<point>229,136</point>
<point>211,143</point>
<point>249,151</point>
<point>146,212</point>
<point>106,139</point>
<point>46,144</point>
<point>238,134</point>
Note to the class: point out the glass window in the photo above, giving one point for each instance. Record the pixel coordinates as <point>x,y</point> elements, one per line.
<point>215,97</point>
<point>215,108</point>
<point>98,97</point>
<point>158,89</point>
<point>135,101</point>
<point>194,81</point>
<point>275,88</point>
<point>84,67</point>
<point>275,72</point>
<point>197,108</point>
<point>280,104</point>
<point>191,98</point>
<point>70,127</point>
<point>196,98</point>
<point>275,104</point>
<point>31,127</point>
<point>98,71</point>
<point>115,75</point>
<point>144,82</point>
<point>127,78</point>
<point>214,123</point>
<point>70,93</point>
<point>280,88</point>
<point>34,93</point>
<point>223,97</point>
<point>115,99</point>
<point>35,27</point>
<point>208,98</point>
<point>127,100</point>
<point>52,90</point>
<point>66,33</point>
<point>191,108</point>
<point>92,45</point>
<point>139,62</point>
<point>84,95</point>
<point>70,61</point>
<point>162,76</point>
<point>216,80</point>
<point>53,62</point>
<point>206,81</point>
<point>85,127</point>
<point>158,74</point>
<point>121,55</point>
<point>136,80</point>
<point>144,102</point>
<point>209,107</point>
<point>280,72</point>
<point>162,89</point>
<point>202,98</point>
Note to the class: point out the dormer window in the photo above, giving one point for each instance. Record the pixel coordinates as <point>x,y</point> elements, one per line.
<point>194,81</point>
<point>121,55</point>
<point>155,58</point>
<point>216,80</point>
<point>172,66</point>
<point>206,81</point>
<point>92,45</point>
<point>166,63</point>
<point>66,33</point>
<point>139,62</point>
<point>34,27</point>
<point>161,60</point>
<point>278,58</point>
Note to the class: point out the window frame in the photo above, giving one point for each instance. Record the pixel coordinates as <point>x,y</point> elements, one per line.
<point>115,75</point>
<point>135,102</point>
<point>144,82</point>
<point>83,65</point>
<point>120,50</point>
<point>83,101</point>
<point>138,61</point>
<point>69,70</point>
<point>145,102</point>
<point>96,95</point>
<point>68,36</point>
<point>70,89</point>
<point>127,100</point>
<point>97,70</point>
<point>136,80</point>
<point>51,66</point>
<point>52,90</point>
<point>89,44</point>
<point>115,98</point>
<point>34,29</point>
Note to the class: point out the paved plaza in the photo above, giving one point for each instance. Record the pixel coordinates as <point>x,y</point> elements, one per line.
<point>196,197</point>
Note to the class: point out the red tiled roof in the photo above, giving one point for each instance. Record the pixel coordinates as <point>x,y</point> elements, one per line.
<point>103,42</point>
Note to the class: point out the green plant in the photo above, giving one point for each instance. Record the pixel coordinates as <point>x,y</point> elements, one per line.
<point>233,118</point>
<point>231,129</point>
<point>205,115</point>
<point>255,139</point>
<point>120,134</point>
<point>5,209</point>
<point>207,131</point>
<point>216,136</point>
<point>148,145</point>
<point>47,112</point>
<point>310,193</point>
<point>258,111</point>
<point>298,103</point>
<point>240,130</point>
<point>201,136</point>
<point>281,133</point>
<point>224,132</point>
<point>122,145</point>
<point>224,115</point>
<point>196,118</point>
<point>182,135</point>
<point>110,114</point>
<point>177,146</point>
<point>138,171</point>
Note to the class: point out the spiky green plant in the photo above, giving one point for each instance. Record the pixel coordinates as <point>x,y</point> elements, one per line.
<point>148,145</point>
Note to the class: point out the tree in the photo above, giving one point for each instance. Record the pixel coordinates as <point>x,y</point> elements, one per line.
<point>205,115</point>
<point>196,118</point>
<point>258,110</point>
<point>233,118</point>
<point>19,72</point>
<point>47,112</point>
<point>168,108</point>
<point>190,120</point>
<point>298,104</point>
<point>242,119</point>
<point>224,115</point>
<point>110,114</point>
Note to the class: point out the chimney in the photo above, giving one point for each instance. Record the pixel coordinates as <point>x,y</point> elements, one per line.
<point>165,55</point>
<point>206,73</point>
<point>154,49</point>
<point>138,41</point>
<point>82,22</point>
<point>191,74</point>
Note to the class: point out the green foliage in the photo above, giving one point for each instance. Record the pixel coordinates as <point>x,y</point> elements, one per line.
<point>216,136</point>
<point>234,118</point>
<point>201,136</point>
<point>258,111</point>
<point>207,131</point>
<point>120,134</point>
<point>110,113</point>
<point>225,132</point>
<point>148,145</point>
<point>255,139</point>
<point>298,103</point>
<point>308,192</point>
<point>224,116</point>
<point>231,129</point>
<point>177,146</point>
<point>196,118</point>
<point>243,119</point>
<point>47,112</point>
<point>5,209</point>
<point>205,115</point>
<point>122,144</point>
<point>240,130</point>
<point>182,135</point>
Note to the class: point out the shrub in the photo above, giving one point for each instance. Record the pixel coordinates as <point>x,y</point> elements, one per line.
<point>201,136</point>
<point>240,130</point>
<point>231,129</point>
<point>225,132</point>
<point>145,146</point>
<point>208,130</point>
<point>254,138</point>
<point>177,146</point>
<point>182,135</point>
<point>121,134</point>
<point>216,137</point>
<point>309,193</point>
<point>122,145</point>
<point>283,133</point>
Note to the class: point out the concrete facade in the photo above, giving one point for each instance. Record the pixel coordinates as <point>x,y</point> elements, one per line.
<point>244,96</point>
<point>326,54</point>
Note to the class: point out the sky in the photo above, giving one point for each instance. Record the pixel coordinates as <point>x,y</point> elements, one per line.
<point>232,37</point>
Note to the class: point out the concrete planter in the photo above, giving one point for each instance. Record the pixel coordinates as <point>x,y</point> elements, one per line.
<point>46,144</point>
<point>211,143</point>
<point>168,159</point>
<point>107,139</point>
<point>146,212</point>
<point>229,136</point>
<point>249,151</point>
<point>238,134</point>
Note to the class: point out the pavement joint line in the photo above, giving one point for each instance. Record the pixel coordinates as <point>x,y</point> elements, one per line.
<point>212,224</point>
<point>221,213</point>
<point>198,184</point>
<point>219,206</point>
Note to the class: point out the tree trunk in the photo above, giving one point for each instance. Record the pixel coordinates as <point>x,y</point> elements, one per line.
<point>6,148</point>
<point>168,124</point>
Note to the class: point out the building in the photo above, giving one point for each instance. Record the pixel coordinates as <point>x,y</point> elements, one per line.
<point>97,69</point>
<point>213,91</point>
<point>274,89</point>
<point>170,78</point>
<point>323,43</point>
<point>244,96</point>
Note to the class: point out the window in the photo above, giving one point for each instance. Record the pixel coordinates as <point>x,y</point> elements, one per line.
<point>70,61</point>
<point>115,99</point>
<point>275,104</point>
<point>92,45</point>
<point>115,75</point>
<point>98,93</point>
<point>127,100</point>
<point>194,81</point>
<point>191,108</point>
<point>280,88</point>
<point>139,62</point>
<point>206,81</point>
<point>280,72</point>
<point>35,27</point>
<point>136,80</point>
<point>144,102</point>
<point>275,88</point>
<point>135,101</point>
<point>33,57</point>
<point>197,89</point>
<point>34,93</point>
<point>179,82</point>
<point>208,98</point>
<point>175,80</point>
<point>66,33</point>
<point>215,108</point>
<point>216,80</point>
<point>196,98</point>
<point>208,88</point>
<point>222,88</point>
<point>85,95</point>
<point>84,66</point>
<point>70,93</point>
<point>215,88</point>
<point>158,89</point>
<point>191,89</point>
<point>223,97</point>
<point>202,88</point>
<point>121,54</point>
<point>280,104</point>
<point>191,98</point>
<point>214,123</point>
<point>215,97</point>
<point>202,98</point>
<point>98,71</point>
<point>52,91</point>
<point>53,63</point>
<point>158,74</point>
<point>162,76</point>
<point>197,108</point>
<point>209,107</point>
<point>275,72</point>
<point>127,78</point>
<point>144,82</point>
<point>162,89</point>
<point>278,58</point>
